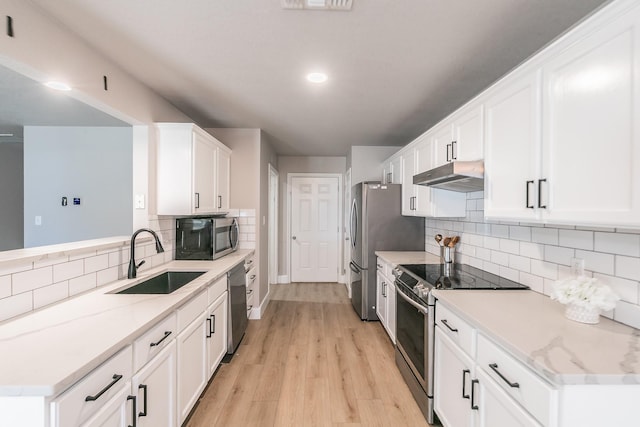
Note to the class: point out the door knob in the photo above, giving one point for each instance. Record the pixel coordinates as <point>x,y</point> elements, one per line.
<point>294,237</point>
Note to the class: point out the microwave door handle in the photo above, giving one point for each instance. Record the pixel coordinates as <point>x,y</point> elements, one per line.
<point>234,230</point>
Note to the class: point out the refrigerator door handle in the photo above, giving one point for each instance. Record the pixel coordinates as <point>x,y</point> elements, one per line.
<point>354,223</point>
<point>354,267</point>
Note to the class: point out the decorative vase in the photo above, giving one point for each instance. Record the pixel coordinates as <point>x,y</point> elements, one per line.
<point>582,314</point>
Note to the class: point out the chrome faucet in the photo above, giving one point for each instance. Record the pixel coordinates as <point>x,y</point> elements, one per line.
<point>133,268</point>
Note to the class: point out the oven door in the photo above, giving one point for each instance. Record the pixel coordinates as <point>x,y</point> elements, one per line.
<point>414,338</point>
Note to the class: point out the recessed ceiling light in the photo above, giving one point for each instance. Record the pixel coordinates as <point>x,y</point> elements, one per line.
<point>57,85</point>
<point>317,77</point>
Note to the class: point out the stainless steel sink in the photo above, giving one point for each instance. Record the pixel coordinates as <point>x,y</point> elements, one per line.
<point>164,283</point>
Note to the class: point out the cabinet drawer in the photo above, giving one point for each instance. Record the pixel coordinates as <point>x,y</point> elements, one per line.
<point>249,262</point>
<point>251,278</point>
<point>457,329</point>
<point>216,289</point>
<point>384,268</point>
<point>154,340</point>
<point>90,394</point>
<point>522,384</point>
<point>191,310</point>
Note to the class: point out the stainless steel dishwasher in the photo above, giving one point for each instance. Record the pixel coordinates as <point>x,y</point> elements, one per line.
<point>237,287</point>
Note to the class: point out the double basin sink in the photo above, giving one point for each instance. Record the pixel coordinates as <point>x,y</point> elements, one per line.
<point>164,283</point>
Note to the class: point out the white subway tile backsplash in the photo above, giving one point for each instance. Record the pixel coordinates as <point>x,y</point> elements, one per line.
<point>544,269</point>
<point>47,261</point>
<point>491,267</point>
<point>15,268</point>
<point>536,283</point>
<point>517,232</point>
<point>628,267</point>
<point>32,279</point>
<point>475,262</point>
<point>597,261</point>
<point>510,246</point>
<point>498,230</point>
<point>474,239</point>
<point>627,313</point>
<point>532,250</point>
<point>469,227</point>
<point>576,239</point>
<point>483,229</point>
<point>492,243</point>
<point>627,290</point>
<point>548,236</point>
<point>68,270</point>
<point>509,273</point>
<point>558,254</point>
<point>520,263</point>
<point>50,294</point>
<point>483,253</point>
<point>618,243</point>
<point>82,284</point>
<point>96,263</point>
<point>15,305</point>
<point>500,258</point>
<point>106,276</point>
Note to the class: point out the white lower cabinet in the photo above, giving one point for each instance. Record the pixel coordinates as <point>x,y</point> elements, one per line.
<point>120,411</point>
<point>192,375</point>
<point>386,298</point>
<point>216,333</point>
<point>155,388</point>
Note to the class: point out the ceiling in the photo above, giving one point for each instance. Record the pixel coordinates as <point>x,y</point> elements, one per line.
<point>395,67</point>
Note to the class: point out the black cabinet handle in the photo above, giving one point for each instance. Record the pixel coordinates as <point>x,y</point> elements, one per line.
<point>453,145</point>
<point>540,205</point>
<point>115,378</point>
<point>209,328</point>
<point>144,400</point>
<point>448,159</point>
<point>473,394</point>
<point>213,324</point>
<point>219,202</point>
<point>526,203</point>
<point>494,367</point>
<point>445,323</point>
<point>133,411</point>
<point>464,383</point>
<point>166,335</point>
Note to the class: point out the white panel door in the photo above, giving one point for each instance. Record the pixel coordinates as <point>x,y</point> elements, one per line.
<point>408,193</point>
<point>314,229</point>
<point>442,141</point>
<point>204,175</point>
<point>155,388</point>
<point>591,149</point>
<point>118,412</point>
<point>191,366</point>
<point>223,172</point>
<point>513,126</point>
<point>468,134</point>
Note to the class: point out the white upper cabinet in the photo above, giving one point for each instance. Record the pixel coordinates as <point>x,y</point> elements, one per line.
<point>591,148</point>
<point>192,171</point>
<point>460,137</point>
<point>392,173</point>
<point>513,131</point>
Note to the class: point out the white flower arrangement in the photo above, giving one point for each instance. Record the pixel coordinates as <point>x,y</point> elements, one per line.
<point>584,292</point>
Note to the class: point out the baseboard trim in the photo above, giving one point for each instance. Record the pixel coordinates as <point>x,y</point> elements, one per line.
<point>256,312</point>
<point>283,279</point>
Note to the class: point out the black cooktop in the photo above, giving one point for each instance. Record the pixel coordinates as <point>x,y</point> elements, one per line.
<point>459,276</point>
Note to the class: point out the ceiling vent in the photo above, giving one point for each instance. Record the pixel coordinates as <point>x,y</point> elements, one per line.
<point>318,4</point>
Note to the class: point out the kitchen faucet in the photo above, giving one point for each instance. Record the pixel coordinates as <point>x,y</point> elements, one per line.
<point>133,268</point>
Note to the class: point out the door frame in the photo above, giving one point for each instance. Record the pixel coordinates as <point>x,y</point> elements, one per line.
<point>290,177</point>
<point>274,177</point>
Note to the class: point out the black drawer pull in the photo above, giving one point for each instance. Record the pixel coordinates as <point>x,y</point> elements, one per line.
<point>526,204</point>
<point>473,394</point>
<point>464,383</point>
<point>133,411</point>
<point>144,400</point>
<point>494,367</point>
<point>166,334</point>
<point>445,323</point>
<point>213,324</point>
<point>540,205</point>
<point>115,378</point>
<point>209,328</point>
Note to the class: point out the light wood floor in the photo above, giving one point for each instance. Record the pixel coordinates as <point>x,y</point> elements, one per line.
<point>310,361</point>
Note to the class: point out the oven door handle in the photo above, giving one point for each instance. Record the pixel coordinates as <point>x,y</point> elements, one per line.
<point>420,308</point>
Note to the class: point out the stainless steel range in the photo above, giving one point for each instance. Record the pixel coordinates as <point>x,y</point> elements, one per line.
<point>415,319</point>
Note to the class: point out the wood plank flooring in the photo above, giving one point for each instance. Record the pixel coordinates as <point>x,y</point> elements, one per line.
<point>310,361</point>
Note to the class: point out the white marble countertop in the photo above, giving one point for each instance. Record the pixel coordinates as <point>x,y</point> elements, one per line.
<point>533,328</point>
<point>414,257</point>
<point>47,351</point>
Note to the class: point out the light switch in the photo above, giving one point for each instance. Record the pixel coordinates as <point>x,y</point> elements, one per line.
<point>38,220</point>
<point>139,201</point>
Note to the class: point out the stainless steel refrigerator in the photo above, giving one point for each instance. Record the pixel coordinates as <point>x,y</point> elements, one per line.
<point>377,224</point>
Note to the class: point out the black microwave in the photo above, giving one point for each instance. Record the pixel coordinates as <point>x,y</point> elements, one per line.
<point>205,238</point>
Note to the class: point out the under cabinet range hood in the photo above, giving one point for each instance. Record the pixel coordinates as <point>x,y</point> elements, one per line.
<point>461,176</point>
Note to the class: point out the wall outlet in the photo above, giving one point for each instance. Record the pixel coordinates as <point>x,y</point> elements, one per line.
<point>577,267</point>
<point>139,201</point>
<point>38,220</point>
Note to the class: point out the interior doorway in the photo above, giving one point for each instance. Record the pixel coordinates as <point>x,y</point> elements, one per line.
<point>315,228</point>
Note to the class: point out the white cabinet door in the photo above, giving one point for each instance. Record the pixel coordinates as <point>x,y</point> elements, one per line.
<point>191,367</point>
<point>591,149</point>
<point>453,382</point>
<point>496,408</point>
<point>223,171</point>
<point>155,388</point>
<point>118,412</point>
<point>513,133</point>
<point>391,311</point>
<point>204,174</point>
<point>408,195</point>
<point>381,299</point>
<point>423,162</point>
<point>216,333</point>
<point>468,135</point>
<point>441,140</point>
<point>396,171</point>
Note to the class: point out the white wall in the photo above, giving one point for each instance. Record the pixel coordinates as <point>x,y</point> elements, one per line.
<point>11,199</point>
<point>538,255</point>
<point>367,162</point>
<point>92,163</point>
<point>299,164</point>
